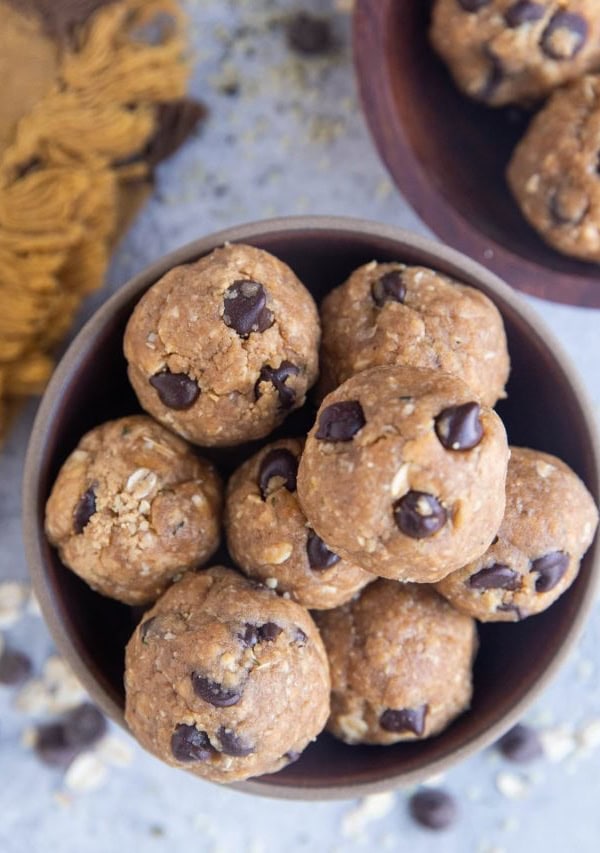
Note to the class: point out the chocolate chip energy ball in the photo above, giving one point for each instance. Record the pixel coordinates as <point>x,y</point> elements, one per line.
<point>401,661</point>
<point>413,316</point>
<point>225,678</point>
<point>269,538</point>
<point>548,525</point>
<point>221,350</point>
<point>553,173</point>
<point>132,507</point>
<point>515,51</point>
<point>403,473</point>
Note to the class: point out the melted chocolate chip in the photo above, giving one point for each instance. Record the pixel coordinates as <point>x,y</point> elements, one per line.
<point>277,376</point>
<point>319,555</point>
<point>214,693</point>
<point>84,510</point>
<point>245,308</point>
<point>473,5</point>
<point>404,720</point>
<point>84,725</point>
<point>254,634</point>
<point>175,390</point>
<point>550,568</point>
<point>459,427</point>
<point>497,576</point>
<point>340,421</point>
<point>309,34</point>
<point>389,287</point>
<point>232,744</point>
<point>521,744</point>
<point>146,631</point>
<point>564,36</point>
<point>190,744</point>
<point>419,515</point>
<point>524,12</point>
<point>433,809</point>
<point>281,464</point>
<point>15,667</point>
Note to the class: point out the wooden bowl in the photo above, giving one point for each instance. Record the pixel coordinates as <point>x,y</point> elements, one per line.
<point>448,154</point>
<point>546,408</point>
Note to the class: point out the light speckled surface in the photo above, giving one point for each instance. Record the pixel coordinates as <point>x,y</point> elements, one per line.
<point>284,146</point>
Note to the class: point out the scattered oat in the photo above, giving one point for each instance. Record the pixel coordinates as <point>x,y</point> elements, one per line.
<point>558,743</point>
<point>369,809</point>
<point>114,750</point>
<point>588,736</point>
<point>512,786</point>
<point>85,773</point>
<point>13,599</point>
<point>271,583</point>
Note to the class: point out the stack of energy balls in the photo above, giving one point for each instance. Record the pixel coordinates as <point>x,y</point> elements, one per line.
<point>398,520</point>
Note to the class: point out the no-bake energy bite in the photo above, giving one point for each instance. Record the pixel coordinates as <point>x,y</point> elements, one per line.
<point>404,472</point>
<point>401,661</point>
<point>132,507</point>
<point>268,536</point>
<point>221,350</point>
<point>226,679</point>
<point>548,525</point>
<point>409,315</point>
<point>516,51</point>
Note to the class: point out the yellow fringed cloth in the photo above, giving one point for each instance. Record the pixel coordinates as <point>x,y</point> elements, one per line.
<point>99,103</point>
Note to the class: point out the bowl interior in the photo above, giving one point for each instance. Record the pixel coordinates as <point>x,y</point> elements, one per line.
<point>542,410</point>
<point>448,154</point>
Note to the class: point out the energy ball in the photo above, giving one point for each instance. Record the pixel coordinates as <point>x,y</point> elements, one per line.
<point>414,317</point>
<point>221,350</point>
<point>548,525</point>
<point>132,507</point>
<point>403,473</point>
<point>269,539</point>
<point>401,661</point>
<point>226,679</point>
<point>515,51</point>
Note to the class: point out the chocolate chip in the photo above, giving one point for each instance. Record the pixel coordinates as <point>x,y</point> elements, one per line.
<point>572,31</point>
<point>232,744</point>
<point>84,726</point>
<point>250,636</point>
<point>497,576</point>
<point>175,390</point>
<point>404,720</point>
<point>52,747</point>
<point>319,555</point>
<point>277,376</point>
<point>15,667</point>
<point>550,568</point>
<point>292,756</point>
<point>521,744</point>
<point>511,608</point>
<point>146,629</point>
<point>524,12</point>
<point>494,78</point>
<point>281,464</point>
<point>473,5</point>
<point>340,421</point>
<point>190,744</point>
<point>419,515</point>
<point>245,308</point>
<point>254,634</point>
<point>84,510</point>
<point>459,427</point>
<point>389,287</point>
<point>214,693</point>
<point>433,809</point>
<point>309,34</point>
<point>300,638</point>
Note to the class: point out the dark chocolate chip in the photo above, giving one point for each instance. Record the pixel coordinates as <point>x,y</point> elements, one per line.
<point>319,555</point>
<point>459,427</point>
<point>84,510</point>
<point>277,376</point>
<point>300,638</point>
<point>190,744</point>
<point>254,634</point>
<point>524,12</point>
<point>309,34</point>
<point>419,515</point>
<point>497,576</point>
<point>292,756</point>
<point>473,5</point>
<point>389,287</point>
<point>550,568</point>
<point>494,78</point>
<point>433,809</point>
<point>281,464</point>
<point>52,747</point>
<point>15,667</point>
<point>521,744</point>
<point>232,744</point>
<point>249,637</point>
<point>176,390</point>
<point>511,608</point>
<point>245,308</point>
<point>572,25</point>
<point>84,726</point>
<point>404,720</point>
<point>340,421</point>
<point>146,631</point>
<point>214,693</point>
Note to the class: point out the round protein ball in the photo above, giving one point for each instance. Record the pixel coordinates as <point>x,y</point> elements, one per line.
<point>226,679</point>
<point>401,661</point>
<point>221,350</point>
<point>403,473</point>
<point>132,507</point>
<point>553,173</point>
<point>269,539</point>
<point>515,51</point>
<point>416,317</point>
<point>548,525</point>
